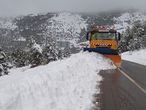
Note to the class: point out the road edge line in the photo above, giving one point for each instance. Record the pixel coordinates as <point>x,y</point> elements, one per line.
<point>133,81</point>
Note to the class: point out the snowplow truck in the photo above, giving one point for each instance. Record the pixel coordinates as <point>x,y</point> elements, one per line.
<point>104,41</point>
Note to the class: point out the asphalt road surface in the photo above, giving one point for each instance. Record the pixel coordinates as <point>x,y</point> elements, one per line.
<point>124,88</point>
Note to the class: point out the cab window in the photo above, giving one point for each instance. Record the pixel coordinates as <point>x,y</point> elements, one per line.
<point>103,36</point>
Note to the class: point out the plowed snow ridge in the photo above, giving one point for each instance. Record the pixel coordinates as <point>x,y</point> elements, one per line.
<point>62,85</point>
<point>137,56</point>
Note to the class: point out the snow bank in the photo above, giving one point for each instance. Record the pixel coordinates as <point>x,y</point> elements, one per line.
<point>19,70</point>
<point>135,56</point>
<point>62,85</point>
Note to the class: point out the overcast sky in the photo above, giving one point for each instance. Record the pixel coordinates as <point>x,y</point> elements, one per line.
<point>20,7</point>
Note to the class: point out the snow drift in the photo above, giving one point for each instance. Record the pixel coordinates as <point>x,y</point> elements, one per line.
<point>135,56</point>
<point>68,84</point>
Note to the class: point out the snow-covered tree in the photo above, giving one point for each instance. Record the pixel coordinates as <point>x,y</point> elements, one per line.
<point>50,52</point>
<point>36,57</point>
<point>4,65</point>
<point>66,27</point>
<point>124,43</point>
<point>133,38</point>
<point>32,26</point>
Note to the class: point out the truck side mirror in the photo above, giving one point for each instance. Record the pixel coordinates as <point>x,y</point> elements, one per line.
<point>119,36</point>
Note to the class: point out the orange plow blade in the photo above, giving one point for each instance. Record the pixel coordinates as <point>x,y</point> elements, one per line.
<point>115,58</point>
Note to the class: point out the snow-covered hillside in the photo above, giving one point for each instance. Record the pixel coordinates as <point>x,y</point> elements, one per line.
<point>68,84</point>
<point>127,19</point>
<point>7,23</point>
<point>67,27</point>
<point>137,56</point>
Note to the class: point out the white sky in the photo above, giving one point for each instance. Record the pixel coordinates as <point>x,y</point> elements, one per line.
<point>20,7</point>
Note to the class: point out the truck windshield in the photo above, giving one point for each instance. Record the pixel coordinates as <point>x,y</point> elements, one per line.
<point>103,36</point>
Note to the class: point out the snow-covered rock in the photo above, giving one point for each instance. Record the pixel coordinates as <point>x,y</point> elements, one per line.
<point>68,84</point>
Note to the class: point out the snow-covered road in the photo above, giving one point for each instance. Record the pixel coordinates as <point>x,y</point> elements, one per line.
<point>68,84</point>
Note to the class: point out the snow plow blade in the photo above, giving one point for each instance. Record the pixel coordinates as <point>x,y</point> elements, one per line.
<point>116,59</point>
<point>109,53</point>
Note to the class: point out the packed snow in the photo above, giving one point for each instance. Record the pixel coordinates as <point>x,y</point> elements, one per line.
<point>67,84</point>
<point>135,56</point>
<point>19,70</point>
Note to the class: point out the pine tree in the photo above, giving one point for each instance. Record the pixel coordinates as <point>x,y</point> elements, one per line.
<point>20,58</point>
<point>50,52</point>
<point>3,63</point>
<point>36,57</point>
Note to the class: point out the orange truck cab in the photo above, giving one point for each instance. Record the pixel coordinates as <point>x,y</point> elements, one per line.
<point>104,41</point>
